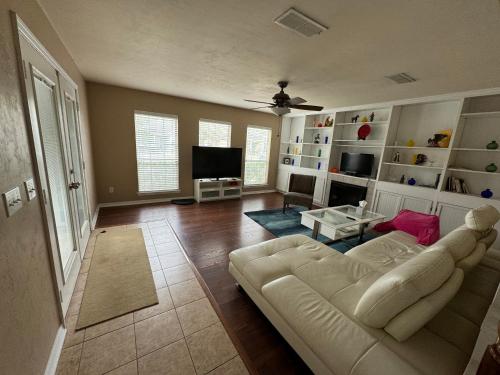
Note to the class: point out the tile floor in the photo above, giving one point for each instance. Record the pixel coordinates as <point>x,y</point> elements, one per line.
<point>180,335</point>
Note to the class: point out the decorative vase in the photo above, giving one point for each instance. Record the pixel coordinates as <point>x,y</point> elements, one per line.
<point>487,193</point>
<point>412,181</point>
<point>491,167</point>
<point>493,145</point>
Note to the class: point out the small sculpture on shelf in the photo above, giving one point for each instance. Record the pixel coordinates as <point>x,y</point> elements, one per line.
<point>493,145</point>
<point>402,179</point>
<point>319,125</point>
<point>364,119</point>
<point>410,143</point>
<point>487,193</point>
<point>491,168</point>
<point>419,159</point>
<point>372,116</point>
<point>412,181</point>
<point>355,119</point>
<point>317,138</point>
<point>395,157</point>
<point>286,161</point>
<point>328,122</point>
<point>440,139</point>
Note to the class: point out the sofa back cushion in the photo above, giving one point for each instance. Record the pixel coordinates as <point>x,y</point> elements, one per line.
<point>482,219</point>
<point>404,286</point>
<point>459,242</point>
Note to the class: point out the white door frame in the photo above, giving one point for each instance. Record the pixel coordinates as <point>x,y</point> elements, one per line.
<point>22,31</point>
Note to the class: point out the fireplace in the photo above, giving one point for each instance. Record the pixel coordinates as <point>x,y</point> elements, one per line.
<point>342,193</point>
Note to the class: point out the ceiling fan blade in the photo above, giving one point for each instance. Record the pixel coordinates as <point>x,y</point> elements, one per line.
<point>307,107</point>
<point>267,106</point>
<point>256,101</point>
<point>296,100</point>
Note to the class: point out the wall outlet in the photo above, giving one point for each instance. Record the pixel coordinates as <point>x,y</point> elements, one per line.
<point>111,189</point>
<point>30,188</point>
<point>12,200</point>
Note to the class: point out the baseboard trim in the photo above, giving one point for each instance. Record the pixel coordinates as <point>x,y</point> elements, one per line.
<point>139,202</point>
<point>94,218</point>
<point>55,352</point>
<point>259,192</point>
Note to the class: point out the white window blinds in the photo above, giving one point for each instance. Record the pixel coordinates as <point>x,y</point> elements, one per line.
<point>214,133</point>
<point>157,148</point>
<point>257,151</point>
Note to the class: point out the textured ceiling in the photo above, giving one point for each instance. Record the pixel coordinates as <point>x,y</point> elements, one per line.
<point>223,51</point>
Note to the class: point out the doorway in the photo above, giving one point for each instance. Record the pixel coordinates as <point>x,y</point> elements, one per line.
<point>51,98</point>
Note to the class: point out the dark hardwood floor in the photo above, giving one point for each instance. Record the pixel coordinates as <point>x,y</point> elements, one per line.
<point>208,232</point>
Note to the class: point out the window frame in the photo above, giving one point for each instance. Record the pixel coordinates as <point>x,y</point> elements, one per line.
<point>270,129</point>
<point>219,122</point>
<point>163,115</point>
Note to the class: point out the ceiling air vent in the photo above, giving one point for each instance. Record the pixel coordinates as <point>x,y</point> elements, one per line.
<point>299,23</point>
<point>401,78</point>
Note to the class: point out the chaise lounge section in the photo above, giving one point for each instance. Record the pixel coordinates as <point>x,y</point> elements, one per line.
<point>389,306</point>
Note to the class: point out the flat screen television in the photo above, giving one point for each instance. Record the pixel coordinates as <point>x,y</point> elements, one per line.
<point>216,162</point>
<point>356,164</point>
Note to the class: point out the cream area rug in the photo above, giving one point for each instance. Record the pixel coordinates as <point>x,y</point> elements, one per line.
<point>119,279</point>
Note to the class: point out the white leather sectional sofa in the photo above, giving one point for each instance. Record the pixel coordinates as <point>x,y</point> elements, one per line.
<point>389,306</point>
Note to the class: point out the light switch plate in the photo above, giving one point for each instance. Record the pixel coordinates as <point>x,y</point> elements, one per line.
<point>12,200</point>
<point>30,188</point>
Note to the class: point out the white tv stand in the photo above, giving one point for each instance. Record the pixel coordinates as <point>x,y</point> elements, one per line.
<point>207,189</point>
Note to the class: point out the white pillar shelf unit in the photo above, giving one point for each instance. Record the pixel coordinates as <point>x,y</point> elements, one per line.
<point>474,122</point>
<point>206,189</point>
<point>479,124</point>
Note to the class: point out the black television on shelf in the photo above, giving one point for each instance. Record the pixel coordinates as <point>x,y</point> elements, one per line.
<point>357,164</point>
<point>216,162</point>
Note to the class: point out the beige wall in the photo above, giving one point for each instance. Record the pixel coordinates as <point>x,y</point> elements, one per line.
<point>111,111</point>
<point>28,307</point>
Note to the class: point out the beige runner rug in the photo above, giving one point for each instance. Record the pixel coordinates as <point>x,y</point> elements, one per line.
<point>119,279</point>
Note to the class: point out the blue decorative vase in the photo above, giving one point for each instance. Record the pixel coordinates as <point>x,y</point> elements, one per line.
<point>487,193</point>
<point>412,181</point>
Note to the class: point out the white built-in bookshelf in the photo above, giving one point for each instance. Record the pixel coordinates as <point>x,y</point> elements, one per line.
<point>474,122</point>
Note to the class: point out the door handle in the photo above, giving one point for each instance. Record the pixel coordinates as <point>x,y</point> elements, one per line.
<point>74,185</point>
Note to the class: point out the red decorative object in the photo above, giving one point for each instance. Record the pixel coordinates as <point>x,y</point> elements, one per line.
<point>364,131</point>
<point>334,170</point>
<point>320,125</point>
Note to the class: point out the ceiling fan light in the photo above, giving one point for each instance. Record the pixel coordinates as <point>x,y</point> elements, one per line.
<point>280,110</point>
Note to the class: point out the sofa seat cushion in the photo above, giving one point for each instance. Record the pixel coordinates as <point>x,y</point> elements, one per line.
<point>337,340</point>
<point>387,252</point>
<point>264,262</point>
<point>404,286</point>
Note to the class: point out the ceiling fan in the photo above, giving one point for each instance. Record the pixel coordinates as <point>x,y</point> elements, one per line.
<point>283,103</point>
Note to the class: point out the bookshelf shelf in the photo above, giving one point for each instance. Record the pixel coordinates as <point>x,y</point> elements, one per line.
<point>413,165</point>
<point>480,114</point>
<point>417,148</point>
<point>472,171</point>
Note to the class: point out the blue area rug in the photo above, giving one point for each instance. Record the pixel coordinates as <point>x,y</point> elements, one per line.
<point>284,224</point>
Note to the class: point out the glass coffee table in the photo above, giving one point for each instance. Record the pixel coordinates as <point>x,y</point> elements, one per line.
<point>339,222</point>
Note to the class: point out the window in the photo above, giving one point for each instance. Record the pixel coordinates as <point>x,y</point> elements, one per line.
<point>157,149</point>
<point>214,133</point>
<point>257,155</point>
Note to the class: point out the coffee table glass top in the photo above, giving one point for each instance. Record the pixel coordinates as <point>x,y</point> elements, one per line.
<point>341,216</point>
<point>351,211</point>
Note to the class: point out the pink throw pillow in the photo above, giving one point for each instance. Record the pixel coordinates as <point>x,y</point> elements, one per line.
<point>424,227</point>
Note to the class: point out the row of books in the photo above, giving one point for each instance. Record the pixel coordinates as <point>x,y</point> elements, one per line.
<point>457,185</point>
